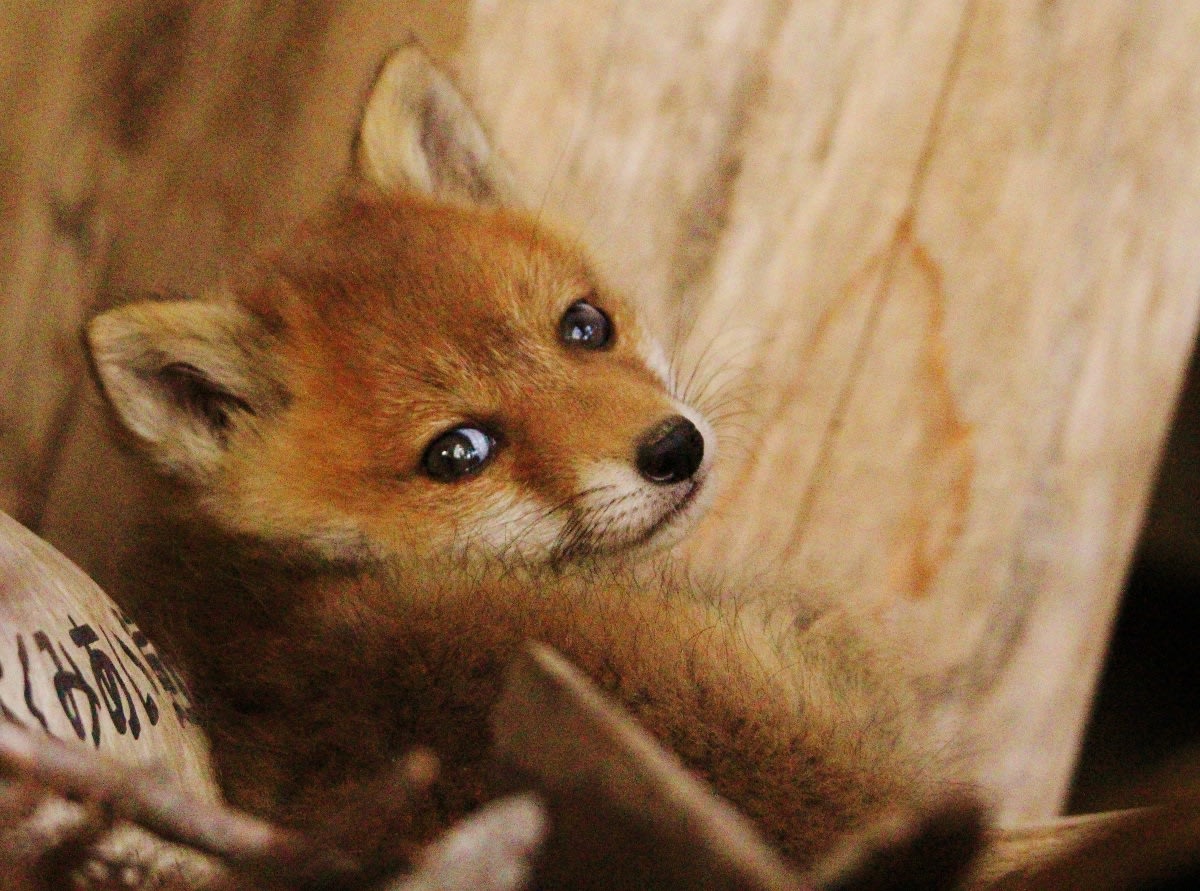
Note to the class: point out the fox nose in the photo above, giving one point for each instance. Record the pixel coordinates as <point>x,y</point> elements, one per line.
<point>671,451</point>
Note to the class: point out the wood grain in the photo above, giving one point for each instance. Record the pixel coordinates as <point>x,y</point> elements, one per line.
<point>168,137</point>
<point>950,249</point>
<point>937,260</point>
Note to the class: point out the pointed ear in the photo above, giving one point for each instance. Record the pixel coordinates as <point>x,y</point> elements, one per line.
<point>418,132</point>
<point>181,375</point>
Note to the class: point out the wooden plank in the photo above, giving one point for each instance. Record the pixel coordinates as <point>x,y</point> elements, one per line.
<point>42,277</point>
<point>74,668</point>
<point>1143,848</point>
<point>999,436</point>
<point>621,119</point>
<point>952,247</point>
<point>648,122</point>
<point>618,803</point>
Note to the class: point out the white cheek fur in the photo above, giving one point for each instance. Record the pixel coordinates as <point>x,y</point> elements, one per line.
<point>516,525</point>
<point>624,510</point>
<point>656,360</point>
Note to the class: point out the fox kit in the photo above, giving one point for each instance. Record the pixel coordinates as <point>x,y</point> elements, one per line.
<point>422,432</point>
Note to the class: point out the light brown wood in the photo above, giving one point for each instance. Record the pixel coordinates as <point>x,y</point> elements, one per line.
<point>72,667</point>
<point>1017,855</point>
<point>949,250</point>
<point>952,250</point>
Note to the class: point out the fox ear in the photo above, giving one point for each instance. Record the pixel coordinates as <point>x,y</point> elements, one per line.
<point>181,375</point>
<point>418,132</point>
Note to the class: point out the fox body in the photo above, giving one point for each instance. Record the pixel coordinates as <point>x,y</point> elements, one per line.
<point>314,676</point>
<point>421,433</point>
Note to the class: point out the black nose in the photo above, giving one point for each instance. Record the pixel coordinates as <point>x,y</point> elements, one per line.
<point>670,451</point>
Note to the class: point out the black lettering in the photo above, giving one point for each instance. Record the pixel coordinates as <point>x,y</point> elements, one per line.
<point>167,677</point>
<point>138,662</point>
<point>5,712</point>
<point>67,684</point>
<point>23,656</point>
<point>109,682</point>
<point>152,659</point>
<point>145,699</point>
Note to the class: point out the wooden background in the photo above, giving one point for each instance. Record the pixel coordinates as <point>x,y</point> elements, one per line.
<point>947,252</point>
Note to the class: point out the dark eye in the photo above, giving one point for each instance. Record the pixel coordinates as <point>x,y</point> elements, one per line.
<point>458,453</point>
<point>584,325</point>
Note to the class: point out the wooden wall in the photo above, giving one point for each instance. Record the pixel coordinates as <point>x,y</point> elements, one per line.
<point>939,260</point>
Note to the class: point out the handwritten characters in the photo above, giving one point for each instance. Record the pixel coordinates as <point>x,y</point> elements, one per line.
<point>104,680</point>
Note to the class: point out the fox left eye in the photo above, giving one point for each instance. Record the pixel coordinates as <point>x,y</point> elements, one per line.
<point>458,453</point>
<point>586,326</point>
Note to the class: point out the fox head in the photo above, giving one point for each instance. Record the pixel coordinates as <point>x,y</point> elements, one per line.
<point>421,370</point>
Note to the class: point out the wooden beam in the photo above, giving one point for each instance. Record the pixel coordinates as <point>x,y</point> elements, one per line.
<point>952,250</point>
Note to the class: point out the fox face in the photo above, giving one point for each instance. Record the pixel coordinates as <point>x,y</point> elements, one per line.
<point>421,371</point>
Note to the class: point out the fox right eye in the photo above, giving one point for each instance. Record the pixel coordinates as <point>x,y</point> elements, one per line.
<point>458,453</point>
<point>585,326</point>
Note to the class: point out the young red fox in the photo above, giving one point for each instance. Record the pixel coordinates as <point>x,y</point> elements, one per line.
<point>421,433</point>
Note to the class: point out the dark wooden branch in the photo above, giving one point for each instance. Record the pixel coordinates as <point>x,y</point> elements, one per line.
<point>250,846</point>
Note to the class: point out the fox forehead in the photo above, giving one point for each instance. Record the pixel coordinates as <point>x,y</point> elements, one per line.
<point>405,308</point>
<point>404,269</point>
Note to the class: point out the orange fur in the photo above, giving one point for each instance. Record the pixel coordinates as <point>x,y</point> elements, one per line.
<point>402,317</point>
<point>333,604</point>
<point>315,676</point>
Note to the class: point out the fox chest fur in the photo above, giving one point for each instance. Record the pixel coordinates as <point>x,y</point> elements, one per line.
<point>314,678</point>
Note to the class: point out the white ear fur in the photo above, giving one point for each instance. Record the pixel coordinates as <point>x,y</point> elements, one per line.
<point>180,374</point>
<point>418,132</point>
